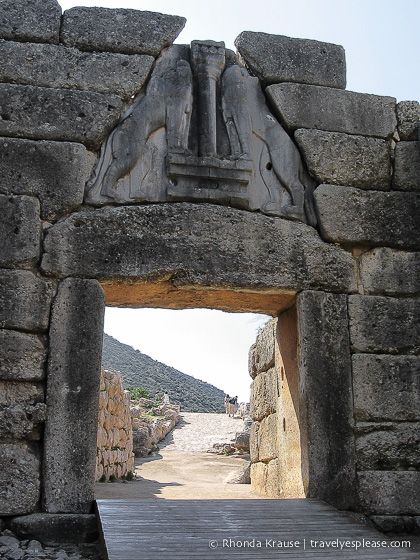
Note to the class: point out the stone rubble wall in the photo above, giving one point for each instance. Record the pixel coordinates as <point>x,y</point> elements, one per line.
<point>65,82</point>
<point>114,451</point>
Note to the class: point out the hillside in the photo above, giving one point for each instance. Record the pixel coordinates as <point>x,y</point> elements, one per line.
<point>139,370</point>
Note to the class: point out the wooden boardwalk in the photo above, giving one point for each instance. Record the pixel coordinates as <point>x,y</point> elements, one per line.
<point>244,529</point>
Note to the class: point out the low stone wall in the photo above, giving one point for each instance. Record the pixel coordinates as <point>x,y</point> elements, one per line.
<point>115,457</point>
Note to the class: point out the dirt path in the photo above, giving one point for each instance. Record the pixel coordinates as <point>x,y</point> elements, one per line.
<point>182,469</point>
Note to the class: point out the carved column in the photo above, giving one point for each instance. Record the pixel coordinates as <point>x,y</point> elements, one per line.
<point>208,61</point>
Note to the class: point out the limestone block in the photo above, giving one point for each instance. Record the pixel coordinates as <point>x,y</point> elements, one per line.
<point>388,446</point>
<point>20,478</point>
<point>408,115</point>
<point>344,159</point>
<point>407,166</point>
<point>264,391</point>
<point>267,439</point>
<point>326,398</point>
<point>273,485</point>
<point>58,114</point>
<point>54,172</point>
<point>119,30</point>
<point>63,67</point>
<point>389,272</point>
<point>261,354</point>
<point>232,245</point>
<point>388,492</point>
<point>386,387</point>
<point>76,335</point>
<point>30,20</point>
<point>20,227</point>
<point>22,421</point>
<point>384,325</point>
<point>276,58</point>
<point>19,392</point>
<point>259,478</point>
<point>51,529</point>
<point>22,356</point>
<point>356,217</point>
<point>335,110</point>
<point>24,301</point>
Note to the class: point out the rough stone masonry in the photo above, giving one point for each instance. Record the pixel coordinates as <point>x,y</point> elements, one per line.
<point>311,215</point>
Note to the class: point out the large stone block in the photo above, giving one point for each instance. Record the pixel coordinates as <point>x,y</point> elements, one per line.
<point>386,388</point>
<point>326,398</point>
<point>408,115</point>
<point>20,229</point>
<point>352,216</point>
<point>24,301</point>
<point>30,20</point>
<point>213,246</point>
<point>118,30</point>
<point>389,272</point>
<point>64,67</point>
<point>264,392</point>
<point>335,110</point>
<point>20,478</point>
<point>267,439</point>
<point>57,114</point>
<point>76,334</point>
<point>344,159</point>
<point>261,354</point>
<point>276,58</point>
<point>50,528</point>
<point>407,166</point>
<point>22,421</point>
<point>388,446</point>
<point>387,492</point>
<point>22,356</point>
<point>384,325</point>
<point>253,441</point>
<point>20,392</point>
<point>54,172</point>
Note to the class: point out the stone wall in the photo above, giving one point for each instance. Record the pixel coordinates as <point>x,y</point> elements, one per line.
<point>114,452</point>
<point>66,80</point>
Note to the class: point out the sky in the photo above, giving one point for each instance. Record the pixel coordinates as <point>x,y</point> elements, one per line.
<point>382,44</point>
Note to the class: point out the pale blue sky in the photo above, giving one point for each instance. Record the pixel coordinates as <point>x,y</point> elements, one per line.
<point>382,43</point>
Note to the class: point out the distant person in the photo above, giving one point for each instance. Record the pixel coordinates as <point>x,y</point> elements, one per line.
<point>165,398</point>
<point>233,406</point>
<point>227,398</point>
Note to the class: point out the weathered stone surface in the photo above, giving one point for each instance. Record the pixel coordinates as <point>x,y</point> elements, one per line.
<point>22,421</point>
<point>356,217</point>
<point>389,272</point>
<point>388,446</point>
<point>387,492</point>
<point>384,325</point>
<point>276,58</point>
<point>264,391</point>
<point>19,478</point>
<point>64,67</point>
<point>233,247</point>
<point>265,479</point>
<point>344,159</point>
<point>20,392</point>
<point>30,20</point>
<point>56,528</point>
<point>22,356</point>
<point>118,30</point>
<point>386,387</point>
<point>57,114</point>
<point>73,386</point>
<point>54,172</point>
<point>326,399</point>
<point>261,354</point>
<point>407,166</point>
<point>24,301</point>
<point>305,106</point>
<point>408,115</point>
<point>267,439</point>
<point>253,442</point>
<point>394,523</point>
<point>20,227</point>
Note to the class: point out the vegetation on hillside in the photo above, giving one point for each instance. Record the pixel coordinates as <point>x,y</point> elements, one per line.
<point>140,371</point>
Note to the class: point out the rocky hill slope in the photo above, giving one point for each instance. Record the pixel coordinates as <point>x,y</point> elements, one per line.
<point>139,370</point>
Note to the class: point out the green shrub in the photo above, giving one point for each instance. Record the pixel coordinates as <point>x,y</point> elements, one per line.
<point>138,393</point>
